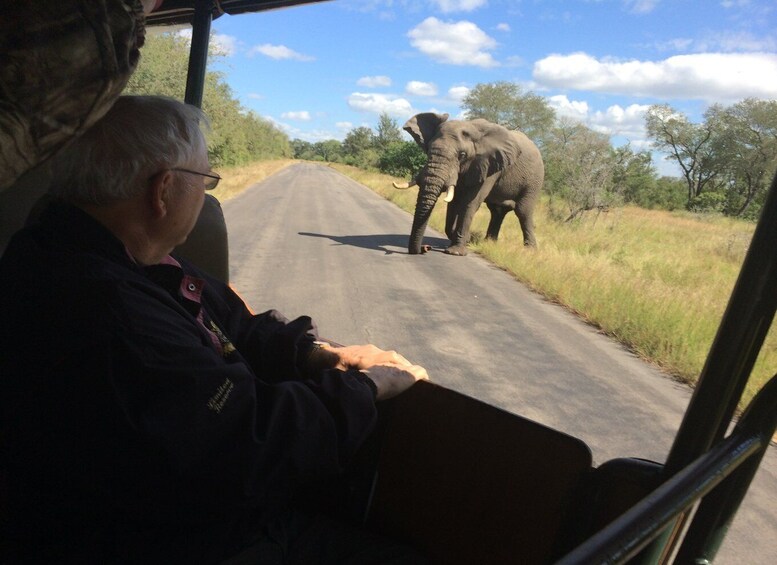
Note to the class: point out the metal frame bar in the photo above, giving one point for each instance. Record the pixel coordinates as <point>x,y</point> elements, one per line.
<point>198,54</point>
<point>723,473</point>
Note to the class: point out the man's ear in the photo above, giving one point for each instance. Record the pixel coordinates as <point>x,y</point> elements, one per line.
<point>159,192</point>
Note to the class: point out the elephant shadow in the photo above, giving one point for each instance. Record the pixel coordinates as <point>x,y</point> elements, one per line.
<point>387,242</point>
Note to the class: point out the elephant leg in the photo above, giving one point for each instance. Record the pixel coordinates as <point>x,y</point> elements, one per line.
<point>466,213</point>
<point>525,213</point>
<point>498,213</point>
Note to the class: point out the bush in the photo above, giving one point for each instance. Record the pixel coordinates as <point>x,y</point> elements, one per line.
<point>402,159</point>
<point>708,202</point>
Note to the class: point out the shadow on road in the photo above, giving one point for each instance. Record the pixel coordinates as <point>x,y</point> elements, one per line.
<point>388,243</point>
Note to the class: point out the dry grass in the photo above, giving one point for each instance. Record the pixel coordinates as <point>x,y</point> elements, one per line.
<point>656,281</point>
<point>236,179</point>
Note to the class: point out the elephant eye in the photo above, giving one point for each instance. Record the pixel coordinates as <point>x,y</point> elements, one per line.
<point>462,155</point>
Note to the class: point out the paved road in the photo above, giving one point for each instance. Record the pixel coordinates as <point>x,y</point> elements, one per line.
<point>311,241</point>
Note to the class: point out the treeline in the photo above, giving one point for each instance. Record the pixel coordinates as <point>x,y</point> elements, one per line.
<point>237,135</point>
<point>726,162</point>
<point>383,149</point>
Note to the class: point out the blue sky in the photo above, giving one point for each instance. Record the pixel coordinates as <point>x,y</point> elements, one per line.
<point>319,70</point>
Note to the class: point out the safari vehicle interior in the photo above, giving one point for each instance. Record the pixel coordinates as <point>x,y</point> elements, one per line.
<point>466,482</point>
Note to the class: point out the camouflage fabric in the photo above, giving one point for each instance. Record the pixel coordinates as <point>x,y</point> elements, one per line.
<point>63,65</point>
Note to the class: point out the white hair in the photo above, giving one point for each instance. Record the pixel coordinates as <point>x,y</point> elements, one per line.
<point>138,137</point>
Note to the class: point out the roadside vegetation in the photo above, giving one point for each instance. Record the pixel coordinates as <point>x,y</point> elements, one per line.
<point>649,260</point>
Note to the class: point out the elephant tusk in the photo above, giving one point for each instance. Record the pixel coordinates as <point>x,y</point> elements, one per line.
<point>449,194</point>
<point>402,186</point>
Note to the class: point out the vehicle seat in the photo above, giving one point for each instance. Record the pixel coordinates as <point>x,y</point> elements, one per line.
<point>208,244</point>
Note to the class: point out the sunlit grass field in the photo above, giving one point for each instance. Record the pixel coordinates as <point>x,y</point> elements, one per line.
<point>656,281</point>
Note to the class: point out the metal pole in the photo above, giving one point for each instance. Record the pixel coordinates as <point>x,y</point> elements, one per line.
<point>198,54</point>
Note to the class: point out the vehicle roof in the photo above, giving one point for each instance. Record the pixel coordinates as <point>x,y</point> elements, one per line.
<point>173,12</point>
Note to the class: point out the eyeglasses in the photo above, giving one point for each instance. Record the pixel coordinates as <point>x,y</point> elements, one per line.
<point>211,179</point>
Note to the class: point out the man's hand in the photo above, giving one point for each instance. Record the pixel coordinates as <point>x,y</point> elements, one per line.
<point>389,370</point>
<point>365,356</point>
<point>391,380</point>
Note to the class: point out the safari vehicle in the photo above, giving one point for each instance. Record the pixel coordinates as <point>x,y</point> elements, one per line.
<point>466,482</point>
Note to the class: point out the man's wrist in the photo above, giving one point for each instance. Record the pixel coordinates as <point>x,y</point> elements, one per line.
<point>320,357</point>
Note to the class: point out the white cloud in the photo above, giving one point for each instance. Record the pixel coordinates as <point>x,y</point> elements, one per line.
<point>626,122</point>
<point>448,6</point>
<point>418,88</point>
<point>709,76</point>
<point>220,43</point>
<point>457,93</point>
<point>374,82</point>
<point>460,43</point>
<point>565,107</point>
<point>255,96</point>
<point>294,132</point>
<point>503,27</point>
<point>344,125</point>
<point>278,52</point>
<point>379,103</point>
<point>302,116</point>
<point>224,44</point>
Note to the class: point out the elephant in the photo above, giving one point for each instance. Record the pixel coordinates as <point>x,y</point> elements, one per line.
<point>476,161</point>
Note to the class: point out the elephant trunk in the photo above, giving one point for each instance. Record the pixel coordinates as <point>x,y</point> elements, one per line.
<point>427,198</point>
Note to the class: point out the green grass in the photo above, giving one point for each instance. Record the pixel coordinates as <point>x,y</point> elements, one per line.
<point>656,281</point>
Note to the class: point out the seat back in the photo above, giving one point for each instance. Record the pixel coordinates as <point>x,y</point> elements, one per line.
<point>207,245</point>
<point>465,482</point>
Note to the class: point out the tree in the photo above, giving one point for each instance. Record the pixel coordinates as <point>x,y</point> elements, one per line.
<point>388,132</point>
<point>358,140</point>
<point>163,66</point>
<point>666,194</point>
<point>580,169</point>
<point>691,145</point>
<point>506,104</point>
<point>302,149</point>
<point>264,140</point>
<point>330,150</point>
<point>402,159</point>
<point>237,135</point>
<point>359,148</point>
<point>746,144</point>
<point>634,175</point>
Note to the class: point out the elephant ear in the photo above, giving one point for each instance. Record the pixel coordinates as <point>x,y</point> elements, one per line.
<point>422,127</point>
<point>496,149</point>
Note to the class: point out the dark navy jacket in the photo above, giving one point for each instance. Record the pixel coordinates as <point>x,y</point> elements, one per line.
<point>141,426</point>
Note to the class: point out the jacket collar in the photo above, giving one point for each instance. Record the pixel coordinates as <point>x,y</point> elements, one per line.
<point>76,228</point>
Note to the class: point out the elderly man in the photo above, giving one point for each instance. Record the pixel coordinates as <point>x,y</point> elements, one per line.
<point>149,415</point>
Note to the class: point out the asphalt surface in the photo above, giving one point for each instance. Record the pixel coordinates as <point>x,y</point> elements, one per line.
<point>309,241</point>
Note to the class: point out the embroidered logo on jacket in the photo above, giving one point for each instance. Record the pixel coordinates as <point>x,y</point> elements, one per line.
<point>217,401</point>
<point>226,345</point>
